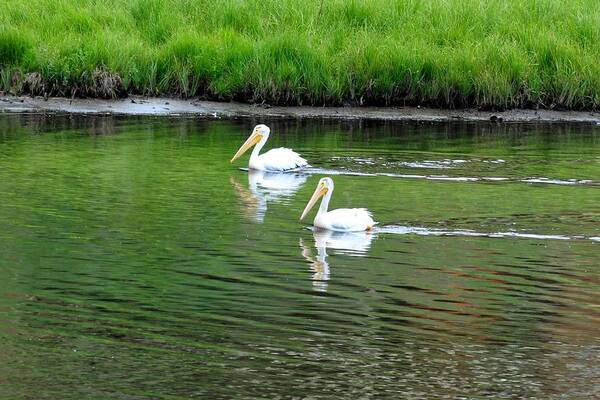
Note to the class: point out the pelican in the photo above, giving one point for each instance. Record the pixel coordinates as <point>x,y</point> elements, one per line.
<point>342,219</point>
<point>274,160</point>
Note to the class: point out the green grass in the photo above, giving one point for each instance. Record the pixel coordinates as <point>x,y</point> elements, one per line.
<point>445,53</point>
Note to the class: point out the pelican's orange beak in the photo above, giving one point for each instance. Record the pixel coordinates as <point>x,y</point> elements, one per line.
<point>319,191</point>
<point>251,141</point>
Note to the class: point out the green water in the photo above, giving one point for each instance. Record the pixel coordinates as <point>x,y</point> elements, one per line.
<point>137,263</point>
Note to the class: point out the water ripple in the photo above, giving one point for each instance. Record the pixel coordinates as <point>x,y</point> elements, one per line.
<point>423,231</point>
<point>540,180</point>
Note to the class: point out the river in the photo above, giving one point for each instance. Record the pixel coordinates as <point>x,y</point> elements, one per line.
<point>136,262</point>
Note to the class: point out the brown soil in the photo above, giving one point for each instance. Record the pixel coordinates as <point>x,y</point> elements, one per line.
<point>138,105</point>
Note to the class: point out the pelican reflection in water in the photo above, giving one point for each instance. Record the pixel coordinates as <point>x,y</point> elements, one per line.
<point>265,187</point>
<point>355,244</point>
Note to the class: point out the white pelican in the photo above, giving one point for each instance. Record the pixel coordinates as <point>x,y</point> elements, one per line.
<point>274,160</point>
<point>342,219</point>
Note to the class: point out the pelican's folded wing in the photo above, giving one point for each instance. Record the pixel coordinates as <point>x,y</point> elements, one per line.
<point>351,219</point>
<point>282,159</point>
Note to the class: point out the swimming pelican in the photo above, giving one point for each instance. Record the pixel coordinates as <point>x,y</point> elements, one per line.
<point>342,219</point>
<point>274,160</point>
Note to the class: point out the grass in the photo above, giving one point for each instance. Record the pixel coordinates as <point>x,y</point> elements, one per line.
<point>443,53</point>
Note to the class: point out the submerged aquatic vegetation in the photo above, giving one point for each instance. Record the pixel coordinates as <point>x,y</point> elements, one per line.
<point>447,53</point>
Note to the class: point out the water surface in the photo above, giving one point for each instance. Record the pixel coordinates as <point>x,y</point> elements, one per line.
<point>137,263</point>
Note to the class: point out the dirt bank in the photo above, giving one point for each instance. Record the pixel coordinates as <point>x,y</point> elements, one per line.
<point>209,109</point>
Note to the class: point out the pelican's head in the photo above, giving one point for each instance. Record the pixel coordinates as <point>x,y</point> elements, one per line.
<point>325,185</point>
<point>260,132</point>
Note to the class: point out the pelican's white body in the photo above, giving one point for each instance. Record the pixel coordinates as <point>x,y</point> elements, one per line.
<point>275,160</point>
<point>342,219</point>
<point>345,220</point>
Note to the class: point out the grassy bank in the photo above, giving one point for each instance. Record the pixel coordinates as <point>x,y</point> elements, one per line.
<point>446,53</point>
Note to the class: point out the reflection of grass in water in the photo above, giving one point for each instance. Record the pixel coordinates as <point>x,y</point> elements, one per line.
<point>447,53</point>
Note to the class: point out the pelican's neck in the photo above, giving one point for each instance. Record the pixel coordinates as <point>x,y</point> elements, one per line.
<point>257,149</point>
<point>325,202</point>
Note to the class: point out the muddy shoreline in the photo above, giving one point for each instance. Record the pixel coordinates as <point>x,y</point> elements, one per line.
<point>171,107</point>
